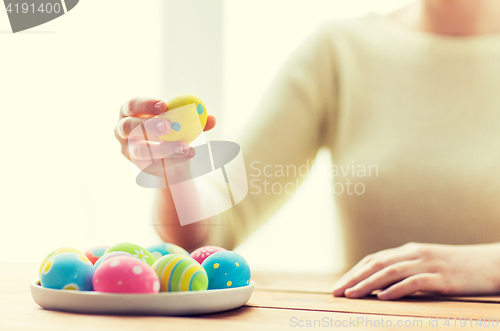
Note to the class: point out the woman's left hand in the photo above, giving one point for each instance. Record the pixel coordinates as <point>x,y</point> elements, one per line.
<point>413,267</point>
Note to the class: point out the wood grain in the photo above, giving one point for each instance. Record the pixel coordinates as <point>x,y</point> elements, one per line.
<point>415,306</point>
<point>288,282</point>
<point>18,312</point>
<point>322,283</point>
<point>271,307</point>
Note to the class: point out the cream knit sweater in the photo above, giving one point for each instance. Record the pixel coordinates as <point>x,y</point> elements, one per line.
<point>422,110</point>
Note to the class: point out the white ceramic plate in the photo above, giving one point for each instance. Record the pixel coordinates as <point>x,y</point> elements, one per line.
<point>175,303</point>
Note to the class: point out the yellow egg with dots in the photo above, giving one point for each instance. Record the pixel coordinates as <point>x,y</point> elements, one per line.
<point>187,115</point>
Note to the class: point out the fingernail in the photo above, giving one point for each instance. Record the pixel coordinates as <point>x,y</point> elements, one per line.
<point>179,150</point>
<point>382,295</point>
<point>158,106</point>
<point>160,126</point>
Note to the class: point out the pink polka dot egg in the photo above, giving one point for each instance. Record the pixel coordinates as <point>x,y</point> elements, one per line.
<point>109,256</point>
<point>202,253</point>
<point>125,274</point>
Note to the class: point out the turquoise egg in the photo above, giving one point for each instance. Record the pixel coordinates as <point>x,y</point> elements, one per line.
<point>68,271</point>
<point>165,249</point>
<point>226,269</point>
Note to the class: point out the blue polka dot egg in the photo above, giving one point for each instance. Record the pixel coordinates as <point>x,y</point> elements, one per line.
<point>226,269</point>
<point>68,271</point>
<point>165,249</point>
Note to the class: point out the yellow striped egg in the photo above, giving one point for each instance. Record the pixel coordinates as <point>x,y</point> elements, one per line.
<point>180,273</point>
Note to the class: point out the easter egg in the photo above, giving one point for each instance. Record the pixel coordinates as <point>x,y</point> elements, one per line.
<point>180,273</point>
<point>166,248</point>
<point>202,253</point>
<point>125,274</point>
<point>187,115</point>
<point>68,271</point>
<point>56,252</point>
<point>136,250</point>
<point>226,269</point>
<point>94,253</point>
<point>110,255</point>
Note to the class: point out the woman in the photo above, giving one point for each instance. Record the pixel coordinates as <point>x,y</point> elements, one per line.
<point>415,93</point>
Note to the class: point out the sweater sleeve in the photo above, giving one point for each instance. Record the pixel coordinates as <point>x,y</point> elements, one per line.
<point>293,120</point>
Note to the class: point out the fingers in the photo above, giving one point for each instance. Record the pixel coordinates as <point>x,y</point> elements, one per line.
<point>152,151</point>
<point>384,278</point>
<point>158,168</point>
<point>368,267</point>
<point>143,107</point>
<point>148,129</point>
<point>210,123</point>
<point>425,282</point>
<point>365,260</point>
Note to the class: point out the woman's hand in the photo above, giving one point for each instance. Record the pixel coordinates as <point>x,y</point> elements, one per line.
<point>135,121</point>
<point>443,269</point>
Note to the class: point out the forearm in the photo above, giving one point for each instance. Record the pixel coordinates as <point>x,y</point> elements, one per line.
<point>167,225</point>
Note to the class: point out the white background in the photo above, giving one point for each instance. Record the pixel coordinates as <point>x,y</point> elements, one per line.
<point>64,181</point>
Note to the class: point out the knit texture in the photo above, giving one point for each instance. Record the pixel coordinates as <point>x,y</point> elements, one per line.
<point>423,110</point>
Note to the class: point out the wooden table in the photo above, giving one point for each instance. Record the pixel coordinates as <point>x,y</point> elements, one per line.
<point>279,302</point>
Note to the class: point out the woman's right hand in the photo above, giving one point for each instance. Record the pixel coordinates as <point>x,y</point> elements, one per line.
<point>137,131</point>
